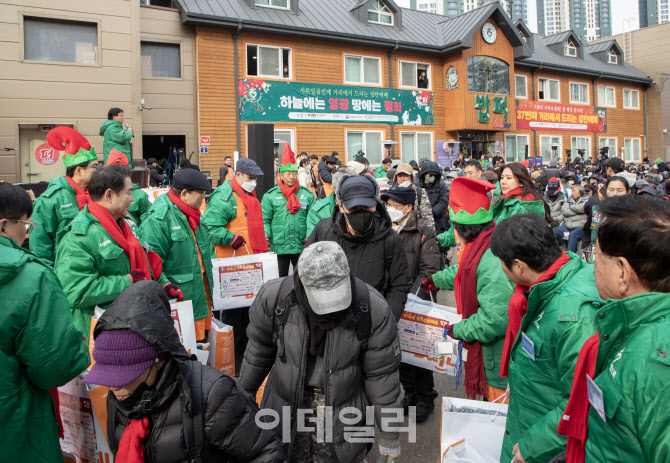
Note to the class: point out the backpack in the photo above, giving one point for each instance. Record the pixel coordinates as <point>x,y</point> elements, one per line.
<point>362,317</point>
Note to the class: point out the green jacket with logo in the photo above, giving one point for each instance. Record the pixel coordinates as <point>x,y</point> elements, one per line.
<point>221,210</point>
<point>322,209</point>
<point>489,324</point>
<point>40,348</point>
<point>140,204</point>
<point>380,172</point>
<point>596,220</point>
<point>286,231</point>
<point>505,207</point>
<point>53,211</point>
<point>115,137</point>
<point>167,232</point>
<point>92,268</point>
<point>633,372</point>
<point>558,321</point>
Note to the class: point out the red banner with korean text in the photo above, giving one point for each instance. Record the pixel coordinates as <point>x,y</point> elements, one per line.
<point>557,117</point>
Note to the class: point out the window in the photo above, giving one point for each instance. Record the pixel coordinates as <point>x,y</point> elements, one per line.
<point>287,136</point>
<point>416,145</point>
<point>570,49</point>
<point>612,57</point>
<point>362,70</point>
<point>547,144</point>
<point>160,60</point>
<point>488,75</point>
<point>515,147</point>
<point>60,40</point>
<point>369,141</point>
<point>268,61</point>
<point>411,74</point>
<point>380,14</point>
<point>631,99</point>
<point>283,4</point>
<point>632,149</point>
<point>579,93</point>
<point>548,90</point>
<point>521,86</point>
<point>163,3</point>
<point>609,142</point>
<point>606,96</point>
<point>581,143</point>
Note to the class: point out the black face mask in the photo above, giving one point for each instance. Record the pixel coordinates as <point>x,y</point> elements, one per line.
<point>360,221</point>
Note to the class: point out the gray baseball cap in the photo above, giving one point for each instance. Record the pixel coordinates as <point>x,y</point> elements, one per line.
<point>324,272</point>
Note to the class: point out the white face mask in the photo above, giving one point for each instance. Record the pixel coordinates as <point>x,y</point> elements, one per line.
<point>249,186</point>
<point>395,214</point>
<point>430,178</point>
<point>405,184</point>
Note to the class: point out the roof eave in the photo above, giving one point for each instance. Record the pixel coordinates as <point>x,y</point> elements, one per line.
<point>551,67</point>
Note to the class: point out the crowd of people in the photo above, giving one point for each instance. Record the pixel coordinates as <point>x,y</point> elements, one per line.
<point>560,273</point>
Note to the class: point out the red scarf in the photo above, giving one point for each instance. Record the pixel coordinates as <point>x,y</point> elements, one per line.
<point>255,224</point>
<point>575,420</point>
<point>516,193</point>
<point>292,203</point>
<point>192,214</point>
<point>82,196</point>
<point>130,446</point>
<point>465,289</point>
<point>518,305</point>
<point>139,261</point>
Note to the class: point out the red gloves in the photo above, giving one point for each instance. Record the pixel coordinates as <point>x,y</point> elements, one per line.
<point>428,285</point>
<point>173,292</point>
<point>135,276</point>
<point>237,242</point>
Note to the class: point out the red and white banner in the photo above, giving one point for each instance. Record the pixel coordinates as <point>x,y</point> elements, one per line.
<point>557,117</point>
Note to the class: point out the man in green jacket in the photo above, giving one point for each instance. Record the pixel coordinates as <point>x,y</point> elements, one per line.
<point>628,357</point>
<point>285,208</point>
<point>173,230</point>
<point>382,170</point>
<point>484,289</point>
<point>65,196</point>
<point>140,204</point>
<point>550,316</point>
<point>100,256</point>
<point>41,347</point>
<point>115,136</point>
<point>323,208</point>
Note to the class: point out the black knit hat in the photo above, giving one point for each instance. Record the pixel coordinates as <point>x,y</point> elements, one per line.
<point>404,195</point>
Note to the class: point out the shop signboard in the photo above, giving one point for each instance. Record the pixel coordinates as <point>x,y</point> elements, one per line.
<point>541,115</point>
<point>447,152</point>
<point>277,101</point>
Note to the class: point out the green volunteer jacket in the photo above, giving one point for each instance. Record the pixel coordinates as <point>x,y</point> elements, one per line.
<point>489,324</point>
<point>92,268</point>
<point>505,207</point>
<point>115,137</point>
<point>165,229</point>
<point>633,372</point>
<point>322,209</point>
<point>380,172</point>
<point>558,321</point>
<point>140,204</point>
<point>286,231</point>
<point>53,211</point>
<point>40,348</point>
<point>221,210</point>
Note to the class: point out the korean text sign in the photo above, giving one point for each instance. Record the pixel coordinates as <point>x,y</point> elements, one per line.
<point>541,115</point>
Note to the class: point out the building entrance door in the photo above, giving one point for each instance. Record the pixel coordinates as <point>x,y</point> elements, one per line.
<point>39,162</point>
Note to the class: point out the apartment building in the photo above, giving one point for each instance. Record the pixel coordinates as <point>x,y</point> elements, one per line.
<point>516,9</point>
<point>588,19</point>
<point>653,12</point>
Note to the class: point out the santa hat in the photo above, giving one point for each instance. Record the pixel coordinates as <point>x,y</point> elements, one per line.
<point>117,157</point>
<point>525,163</point>
<point>288,160</point>
<point>76,149</point>
<point>469,202</point>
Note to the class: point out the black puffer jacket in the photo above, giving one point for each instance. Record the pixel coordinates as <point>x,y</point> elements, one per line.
<point>155,177</point>
<point>352,378</point>
<point>423,254</point>
<point>229,413</point>
<point>377,257</point>
<point>438,194</point>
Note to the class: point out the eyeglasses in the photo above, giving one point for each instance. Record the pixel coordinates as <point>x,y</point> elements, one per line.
<point>590,254</point>
<point>399,207</point>
<point>29,225</point>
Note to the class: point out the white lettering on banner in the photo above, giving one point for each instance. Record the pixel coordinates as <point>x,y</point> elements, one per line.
<point>105,243</point>
<point>616,359</point>
<point>343,117</point>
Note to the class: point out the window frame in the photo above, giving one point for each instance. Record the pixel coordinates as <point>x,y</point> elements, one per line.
<point>381,12</point>
<point>181,59</point>
<point>292,132</point>
<point>549,80</point>
<point>429,73</point>
<point>616,145</point>
<point>610,54</point>
<point>559,153</point>
<point>525,79</point>
<point>59,18</point>
<point>588,91</point>
<point>627,157</point>
<point>516,142</point>
<point>416,141</point>
<point>638,99</point>
<point>573,138</point>
<point>364,132</point>
<point>283,8</point>
<point>569,45</point>
<point>281,65</point>
<point>362,81</point>
<point>509,74</point>
<point>613,96</point>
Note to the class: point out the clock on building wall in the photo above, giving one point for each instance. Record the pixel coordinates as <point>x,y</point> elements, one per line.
<point>489,33</point>
<point>452,78</point>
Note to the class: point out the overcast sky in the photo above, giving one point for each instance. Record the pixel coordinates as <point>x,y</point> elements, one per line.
<point>621,9</point>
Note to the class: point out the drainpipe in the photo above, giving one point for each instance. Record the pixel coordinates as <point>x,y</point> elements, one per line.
<point>644,112</point>
<point>237,88</point>
<point>596,152</point>
<point>533,75</point>
<point>391,86</point>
